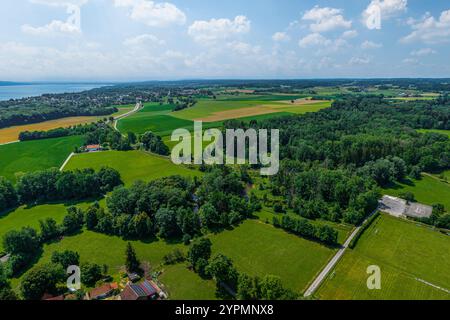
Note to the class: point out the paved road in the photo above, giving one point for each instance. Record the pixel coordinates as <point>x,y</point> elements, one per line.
<point>138,107</point>
<point>67,161</point>
<point>316,283</point>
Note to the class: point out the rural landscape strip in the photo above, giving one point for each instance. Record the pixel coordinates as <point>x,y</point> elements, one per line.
<point>321,277</point>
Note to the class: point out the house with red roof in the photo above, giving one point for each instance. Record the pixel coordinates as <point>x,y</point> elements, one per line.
<point>142,291</point>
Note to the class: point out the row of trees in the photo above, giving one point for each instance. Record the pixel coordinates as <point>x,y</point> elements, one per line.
<point>304,228</point>
<point>52,184</point>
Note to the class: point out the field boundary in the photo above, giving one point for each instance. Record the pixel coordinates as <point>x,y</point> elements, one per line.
<point>432,285</point>
<point>11,142</point>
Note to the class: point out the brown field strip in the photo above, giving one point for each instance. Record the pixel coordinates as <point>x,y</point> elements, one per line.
<point>257,110</point>
<point>12,133</point>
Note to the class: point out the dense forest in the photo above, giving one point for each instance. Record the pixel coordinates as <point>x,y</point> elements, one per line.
<point>335,160</point>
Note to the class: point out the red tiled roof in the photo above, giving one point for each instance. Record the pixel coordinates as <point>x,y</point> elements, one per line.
<point>93,146</point>
<point>104,289</point>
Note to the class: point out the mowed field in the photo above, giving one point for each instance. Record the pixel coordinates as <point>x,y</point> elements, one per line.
<point>408,254</point>
<point>132,165</point>
<point>259,249</point>
<point>12,133</point>
<point>428,190</point>
<point>35,155</point>
<point>161,120</point>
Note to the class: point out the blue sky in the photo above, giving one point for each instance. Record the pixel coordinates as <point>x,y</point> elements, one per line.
<point>129,40</point>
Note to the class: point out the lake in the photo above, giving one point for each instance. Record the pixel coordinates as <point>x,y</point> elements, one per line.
<point>31,90</point>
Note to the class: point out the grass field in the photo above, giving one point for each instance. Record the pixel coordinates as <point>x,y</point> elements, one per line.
<point>132,165</point>
<point>267,214</point>
<point>429,190</point>
<point>183,284</point>
<point>35,155</point>
<point>12,133</point>
<point>260,249</point>
<point>408,254</point>
<point>30,216</point>
<point>161,120</point>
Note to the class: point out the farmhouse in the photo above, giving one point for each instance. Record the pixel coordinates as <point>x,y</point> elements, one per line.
<point>102,292</point>
<point>93,148</point>
<point>143,291</point>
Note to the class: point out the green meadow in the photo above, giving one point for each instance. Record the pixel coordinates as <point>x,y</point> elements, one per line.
<point>428,190</point>
<point>132,165</point>
<point>414,262</point>
<point>259,249</point>
<point>36,155</point>
<point>184,284</point>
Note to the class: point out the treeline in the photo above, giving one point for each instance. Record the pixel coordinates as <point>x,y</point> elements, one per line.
<point>334,160</point>
<point>306,229</point>
<point>174,207</point>
<point>78,130</point>
<point>54,185</point>
<point>229,282</point>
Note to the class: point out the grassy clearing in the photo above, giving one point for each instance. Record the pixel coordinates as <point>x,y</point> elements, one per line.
<point>183,284</point>
<point>444,132</point>
<point>132,165</point>
<point>428,190</point>
<point>260,249</point>
<point>405,252</point>
<point>266,215</point>
<point>35,155</point>
<point>30,216</point>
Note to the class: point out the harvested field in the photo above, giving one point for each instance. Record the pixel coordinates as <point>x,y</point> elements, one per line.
<point>299,106</point>
<point>12,133</point>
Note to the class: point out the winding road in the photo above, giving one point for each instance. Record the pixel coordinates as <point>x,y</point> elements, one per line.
<point>138,107</point>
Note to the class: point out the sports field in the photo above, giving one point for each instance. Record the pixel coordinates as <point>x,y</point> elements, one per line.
<point>260,249</point>
<point>132,165</point>
<point>429,190</point>
<point>36,155</point>
<point>414,261</point>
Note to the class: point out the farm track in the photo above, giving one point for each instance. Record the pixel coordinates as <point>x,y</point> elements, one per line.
<point>136,109</point>
<point>337,257</point>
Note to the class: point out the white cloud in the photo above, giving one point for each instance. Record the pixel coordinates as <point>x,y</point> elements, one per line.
<point>313,40</point>
<point>143,39</point>
<point>218,29</point>
<point>366,45</point>
<point>281,37</point>
<point>410,61</point>
<point>360,61</point>
<point>349,34</point>
<point>243,48</point>
<point>388,8</point>
<point>423,52</point>
<point>429,29</point>
<point>326,19</point>
<point>324,45</point>
<point>72,26</point>
<point>153,14</point>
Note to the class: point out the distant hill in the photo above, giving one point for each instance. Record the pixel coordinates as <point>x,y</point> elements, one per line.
<point>9,83</point>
